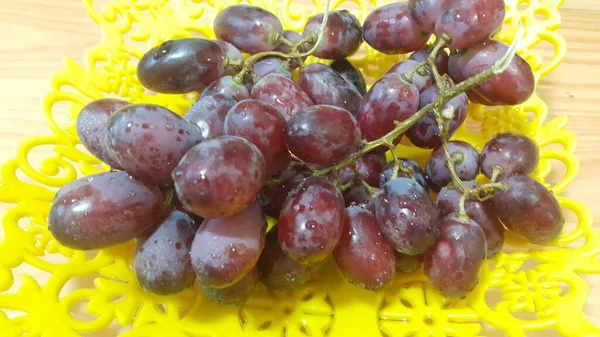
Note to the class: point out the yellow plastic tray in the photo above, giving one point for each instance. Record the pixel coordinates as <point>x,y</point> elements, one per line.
<point>73,293</point>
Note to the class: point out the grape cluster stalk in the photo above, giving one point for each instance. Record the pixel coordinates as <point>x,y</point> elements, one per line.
<point>306,144</point>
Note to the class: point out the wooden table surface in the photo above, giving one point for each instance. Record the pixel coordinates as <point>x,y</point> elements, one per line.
<point>37,34</point>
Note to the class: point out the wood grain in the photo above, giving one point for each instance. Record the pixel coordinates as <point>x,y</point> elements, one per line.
<point>37,34</point>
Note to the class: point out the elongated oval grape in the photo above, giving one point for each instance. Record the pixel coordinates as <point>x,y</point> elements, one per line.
<point>405,67</point>
<point>453,262</point>
<point>225,249</point>
<point>408,263</point>
<point>514,153</point>
<point>235,294</point>
<point>233,55</point>
<point>417,175</point>
<point>92,131</point>
<point>406,216</point>
<point>324,86</point>
<point>426,132</point>
<point>342,35</point>
<point>370,167</point>
<point>441,61</point>
<point>264,127</point>
<point>180,66</point>
<point>310,223</point>
<point>251,29</point>
<point>362,254</point>
<point>391,29</point>
<point>104,210</point>
<point>467,169</point>
<point>278,271</point>
<point>226,85</point>
<point>513,86</point>
<point>530,209</point>
<point>149,140</point>
<point>468,22</point>
<point>281,93</point>
<point>322,135</point>
<point>350,74</point>
<point>480,211</point>
<point>391,99</point>
<point>162,260</point>
<point>426,12</point>
<point>220,176</point>
<point>209,114</point>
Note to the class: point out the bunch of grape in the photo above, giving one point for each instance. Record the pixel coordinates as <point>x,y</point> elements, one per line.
<point>306,144</point>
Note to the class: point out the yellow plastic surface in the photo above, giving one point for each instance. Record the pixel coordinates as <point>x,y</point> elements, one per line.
<point>49,290</point>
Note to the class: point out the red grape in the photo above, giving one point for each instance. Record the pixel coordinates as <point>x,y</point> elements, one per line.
<point>357,195</point>
<point>162,260</point>
<point>149,140</point>
<point>363,255</point>
<point>350,74</point>
<point>467,169</point>
<point>266,66</point>
<point>310,223</point>
<point>225,249</point>
<point>180,66</point>
<point>342,36</point>
<point>220,176</point>
<point>426,132</point>
<point>325,86</point>
<point>233,55</point>
<point>209,114</point>
<point>453,262</point>
<point>404,67</point>
<point>226,85</point>
<point>390,99</point>
<point>271,198</point>
<point>426,12</point>
<point>265,127</point>
<point>441,61</point>
<point>281,93</point>
<point>390,29</point>
<point>408,263</point>
<point>515,154</point>
<point>251,29</point>
<point>92,131</point>
<point>418,174</point>
<point>528,208</point>
<point>104,210</point>
<point>370,167</point>
<point>322,135</point>
<point>468,22</point>
<point>235,294</point>
<point>293,37</point>
<point>406,216</point>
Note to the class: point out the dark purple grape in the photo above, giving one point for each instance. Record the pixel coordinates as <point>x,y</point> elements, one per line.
<point>251,29</point>
<point>104,210</point>
<point>225,249</point>
<point>514,153</point>
<point>271,198</point>
<point>453,262</point>
<point>357,195</point>
<point>441,61</point>
<point>514,86</point>
<point>480,211</point>
<point>407,218</point>
<point>426,133</point>
<point>418,174</point>
<point>278,271</point>
<point>162,260</point>
<point>264,127</point>
<point>235,294</point>
<point>220,176</point>
<point>322,135</point>
<point>342,36</point>
<point>281,93</point>
<point>390,29</point>
<point>149,140</point>
<point>390,99</point>
<point>370,167</point>
<point>467,169</point>
<point>180,66</point>
<point>362,254</point>
<point>404,67</point>
<point>209,114</point>
<point>233,55</point>
<point>266,66</point>
<point>408,263</point>
<point>92,131</point>
<point>350,74</point>
<point>311,219</point>
<point>324,86</point>
<point>530,209</point>
<point>468,22</point>
<point>293,37</point>
<point>426,12</point>
<point>226,85</point>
